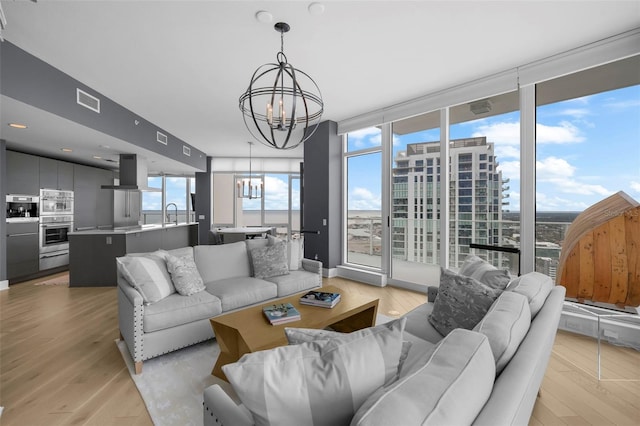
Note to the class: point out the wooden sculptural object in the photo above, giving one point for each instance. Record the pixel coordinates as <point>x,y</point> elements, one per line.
<point>600,258</point>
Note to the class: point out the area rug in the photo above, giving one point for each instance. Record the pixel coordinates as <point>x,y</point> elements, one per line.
<point>54,281</point>
<point>172,385</point>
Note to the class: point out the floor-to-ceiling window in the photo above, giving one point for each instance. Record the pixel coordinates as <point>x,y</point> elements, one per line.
<point>363,171</point>
<point>587,148</point>
<point>484,167</point>
<point>177,195</point>
<point>415,197</point>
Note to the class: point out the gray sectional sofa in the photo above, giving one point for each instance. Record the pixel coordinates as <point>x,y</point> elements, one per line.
<point>489,374</point>
<point>155,319</point>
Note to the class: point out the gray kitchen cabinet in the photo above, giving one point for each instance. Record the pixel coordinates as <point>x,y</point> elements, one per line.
<point>23,249</point>
<point>93,206</point>
<point>23,173</point>
<point>104,198</point>
<point>55,174</point>
<point>173,238</point>
<point>143,242</point>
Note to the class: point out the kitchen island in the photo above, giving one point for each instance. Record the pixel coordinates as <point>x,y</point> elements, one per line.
<point>92,252</point>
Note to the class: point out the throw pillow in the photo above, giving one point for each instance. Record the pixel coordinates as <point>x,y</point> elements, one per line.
<point>485,272</point>
<point>535,287</point>
<point>185,275</point>
<point>296,336</point>
<point>270,261</point>
<point>148,274</point>
<point>505,325</point>
<point>450,387</point>
<point>295,253</point>
<point>461,302</point>
<point>316,383</point>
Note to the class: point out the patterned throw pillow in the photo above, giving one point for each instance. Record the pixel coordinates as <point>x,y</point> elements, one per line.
<point>485,272</point>
<point>185,275</point>
<point>461,302</point>
<point>148,274</point>
<point>270,261</point>
<point>316,383</point>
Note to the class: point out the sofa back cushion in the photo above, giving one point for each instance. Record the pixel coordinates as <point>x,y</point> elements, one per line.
<point>222,261</point>
<point>535,287</point>
<point>148,274</point>
<point>505,325</point>
<point>450,388</point>
<point>486,273</point>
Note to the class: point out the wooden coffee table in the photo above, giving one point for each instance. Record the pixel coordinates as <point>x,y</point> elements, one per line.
<point>248,330</point>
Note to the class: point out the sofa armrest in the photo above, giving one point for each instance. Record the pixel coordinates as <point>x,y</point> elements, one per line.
<point>311,265</point>
<point>130,319</point>
<point>432,292</point>
<point>220,409</point>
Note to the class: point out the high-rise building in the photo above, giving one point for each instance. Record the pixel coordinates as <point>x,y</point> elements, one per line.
<point>475,198</point>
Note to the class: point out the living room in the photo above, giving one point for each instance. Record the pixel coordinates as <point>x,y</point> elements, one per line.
<point>349,242</point>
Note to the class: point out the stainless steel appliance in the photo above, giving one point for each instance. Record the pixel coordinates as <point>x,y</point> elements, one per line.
<point>54,240</point>
<point>54,202</point>
<point>22,208</point>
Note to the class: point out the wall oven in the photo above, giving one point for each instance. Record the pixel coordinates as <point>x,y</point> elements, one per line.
<point>56,202</point>
<point>54,240</point>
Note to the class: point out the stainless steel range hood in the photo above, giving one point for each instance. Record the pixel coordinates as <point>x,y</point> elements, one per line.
<point>133,175</point>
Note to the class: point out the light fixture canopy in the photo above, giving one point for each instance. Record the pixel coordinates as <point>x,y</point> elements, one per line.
<point>282,107</point>
<point>248,187</point>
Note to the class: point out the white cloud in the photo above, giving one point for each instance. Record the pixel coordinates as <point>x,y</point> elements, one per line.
<point>501,133</point>
<point>631,103</point>
<point>508,134</point>
<point>559,173</point>
<point>635,186</point>
<point>365,138</point>
<point>575,112</point>
<point>510,169</point>
<point>507,151</point>
<point>363,199</point>
<point>564,132</point>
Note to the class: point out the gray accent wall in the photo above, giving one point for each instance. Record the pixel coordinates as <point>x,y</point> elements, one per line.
<point>3,212</point>
<point>204,202</point>
<point>30,80</point>
<point>322,202</point>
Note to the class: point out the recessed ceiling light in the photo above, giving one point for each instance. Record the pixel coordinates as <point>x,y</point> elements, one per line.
<point>264,16</point>
<point>66,150</point>
<point>97,157</point>
<point>316,8</point>
<point>18,125</point>
<point>105,146</point>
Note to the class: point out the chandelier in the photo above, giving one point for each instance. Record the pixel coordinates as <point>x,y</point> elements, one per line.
<point>282,106</point>
<point>248,187</point>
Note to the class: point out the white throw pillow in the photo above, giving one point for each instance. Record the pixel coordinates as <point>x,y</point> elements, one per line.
<point>450,388</point>
<point>506,324</point>
<point>185,275</point>
<point>148,274</point>
<point>316,383</point>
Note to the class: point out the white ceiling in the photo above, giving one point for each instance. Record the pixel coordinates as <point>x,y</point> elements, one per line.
<point>183,64</point>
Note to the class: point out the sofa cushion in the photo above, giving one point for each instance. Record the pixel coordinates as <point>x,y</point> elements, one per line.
<point>295,282</point>
<point>176,310</point>
<point>180,252</point>
<point>535,287</point>
<point>419,325</point>
<point>506,324</point>
<point>148,274</point>
<point>486,273</point>
<point>241,291</point>
<point>270,261</point>
<point>222,261</point>
<point>461,302</point>
<point>184,274</point>
<point>316,383</point>
<point>450,388</point>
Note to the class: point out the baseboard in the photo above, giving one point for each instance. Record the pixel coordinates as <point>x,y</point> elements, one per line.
<point>329,272</point>
<point>4,285</point>
<point>615,331</point>
<point>369,277</point>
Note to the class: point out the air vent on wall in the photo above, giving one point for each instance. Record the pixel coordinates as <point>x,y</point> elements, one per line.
<point>186,151</point>
<point>87,101</point>
<point>161,137</point>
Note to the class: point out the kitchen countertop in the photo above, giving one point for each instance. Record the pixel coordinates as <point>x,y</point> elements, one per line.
<point>131,229</point>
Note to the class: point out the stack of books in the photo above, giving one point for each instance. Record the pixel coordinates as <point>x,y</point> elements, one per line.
<point>320,298</point>
<point>281,313</point>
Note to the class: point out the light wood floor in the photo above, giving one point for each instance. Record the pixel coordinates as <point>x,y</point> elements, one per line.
<point>59,364</point>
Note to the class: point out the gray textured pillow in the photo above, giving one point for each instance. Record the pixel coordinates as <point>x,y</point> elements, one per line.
<point>270,261</point>
<point>185,275</point>
<point>461,302</point>
<point>485,272</point>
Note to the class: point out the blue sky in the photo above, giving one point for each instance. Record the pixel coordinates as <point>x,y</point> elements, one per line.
<point>587,149</point>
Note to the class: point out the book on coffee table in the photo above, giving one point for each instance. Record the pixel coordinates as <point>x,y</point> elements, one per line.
<point>320,298</point>
<point>281,313</point>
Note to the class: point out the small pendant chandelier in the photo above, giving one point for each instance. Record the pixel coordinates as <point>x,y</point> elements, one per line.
<point>282,106</point>
<point>248,187</point>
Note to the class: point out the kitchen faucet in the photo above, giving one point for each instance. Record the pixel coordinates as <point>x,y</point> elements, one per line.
<point>168,217</point>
